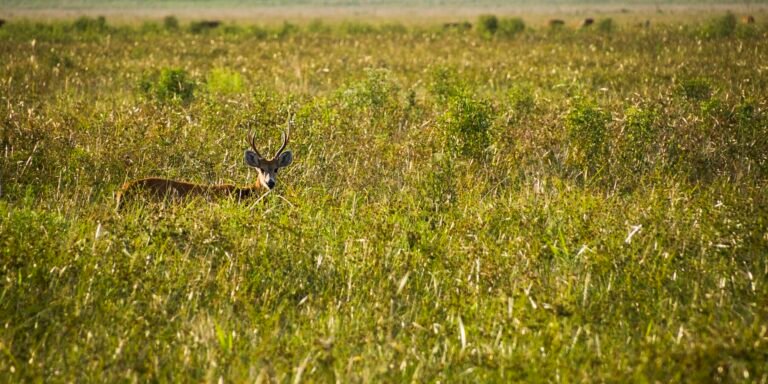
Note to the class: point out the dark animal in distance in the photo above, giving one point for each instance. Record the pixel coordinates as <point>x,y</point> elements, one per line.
<point>210,24</point>
<point>2,22</point>
<point>204,25</point>
<point>460,26</point>
<point>556,23</point>
<point>587,22</point>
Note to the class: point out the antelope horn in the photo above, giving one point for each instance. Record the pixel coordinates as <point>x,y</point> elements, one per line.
<point>286,136</point>
<point>251,140</point>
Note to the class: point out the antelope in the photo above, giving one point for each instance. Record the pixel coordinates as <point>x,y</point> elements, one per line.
<point>267,178</point>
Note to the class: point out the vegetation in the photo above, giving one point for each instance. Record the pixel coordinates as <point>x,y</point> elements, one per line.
<point>164,4</point>
<point>534,207</point>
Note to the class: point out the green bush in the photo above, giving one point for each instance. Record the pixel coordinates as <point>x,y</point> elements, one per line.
<point>722,26</point>
<point>466,124</point>
<point>150,27</point>
<point>376,92</point>
<point>487,25</point>
<point>171,23</point>
<point>224,81</point>
<point>511,26</point>
<point>89,24</point>
<point>232,29</point>
<point>606,25</point>
<point>286,29</point>
<point>258,32</point>
<point>639,135</point>
<point>521,100</point>
<point>586,124</point>
<point>695,89</point>
<point>714,108</point>
<point>317,26</point>
<point>445,83</point>
<point>171,84</point>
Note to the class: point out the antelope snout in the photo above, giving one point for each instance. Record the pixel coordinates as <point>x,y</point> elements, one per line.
<point>270,183</point>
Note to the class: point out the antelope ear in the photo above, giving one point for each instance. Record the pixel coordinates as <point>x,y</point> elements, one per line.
<point>286,158</point>
<point>252,159</point>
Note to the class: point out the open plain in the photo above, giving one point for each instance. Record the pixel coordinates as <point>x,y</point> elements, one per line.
<point>500,202</point>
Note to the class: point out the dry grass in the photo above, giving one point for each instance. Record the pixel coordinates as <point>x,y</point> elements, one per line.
<point>558,205</point>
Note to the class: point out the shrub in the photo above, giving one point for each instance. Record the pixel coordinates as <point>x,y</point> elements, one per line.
<point>150,27</point>
<point>487,25</point>
<point>224,81</point>
<point>258,32</point>
<point>317,26</point>
<point>695,89</point>
<point>376,91</point>
<point>746,112</point>
<point>171,23</point>
<point>639,135</point>
<point>445,83</point>
<point>521,100</point>
<point>511,26</point>
<point>466,125</point>
<point>722,26</point>
<point>715,109</point>
<point>749,134</point>
<point>89,24</point>
<point>748,31</point>
<point>286,30</point>
<point>586,131</point>
<point>171,84</point>
<point>233,29</point>
<point>606,25</point>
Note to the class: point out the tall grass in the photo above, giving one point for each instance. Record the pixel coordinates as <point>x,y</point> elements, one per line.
<point>589,208</point>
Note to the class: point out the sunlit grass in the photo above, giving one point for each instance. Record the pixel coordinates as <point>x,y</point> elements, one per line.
<point>541,205</point>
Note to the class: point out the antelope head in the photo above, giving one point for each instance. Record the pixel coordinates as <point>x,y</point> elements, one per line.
<point>268,168</point>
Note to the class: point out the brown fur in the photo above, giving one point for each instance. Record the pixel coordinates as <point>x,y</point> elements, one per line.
<point>159,188</point>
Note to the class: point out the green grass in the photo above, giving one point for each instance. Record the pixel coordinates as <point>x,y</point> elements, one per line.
<point>549,205</point>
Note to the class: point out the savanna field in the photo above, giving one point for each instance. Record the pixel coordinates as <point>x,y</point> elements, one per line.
<point>502,203</point>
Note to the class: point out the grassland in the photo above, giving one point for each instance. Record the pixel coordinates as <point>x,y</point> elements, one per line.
<point>407,12</point>
<point>464,205</point>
